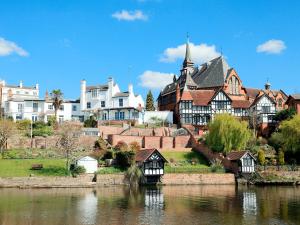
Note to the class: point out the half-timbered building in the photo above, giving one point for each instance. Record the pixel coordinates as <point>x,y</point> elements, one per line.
<point>200,93</point>
<point>242,162</point>
<point>151,163</point>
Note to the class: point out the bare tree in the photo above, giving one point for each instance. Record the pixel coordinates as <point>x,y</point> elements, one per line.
<point>69,133</point>
<point>7,131</point>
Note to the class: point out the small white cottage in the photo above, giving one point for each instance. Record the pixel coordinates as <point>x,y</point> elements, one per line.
<point>242,161</point>
<point>90,164</point>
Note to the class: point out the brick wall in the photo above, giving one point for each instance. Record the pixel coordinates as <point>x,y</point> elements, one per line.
<point>152,142</point>
<point>106,130</point>
<point>113,139</point>
<point>210,178</point>
<point>182,141</point>
<point>167,142</point>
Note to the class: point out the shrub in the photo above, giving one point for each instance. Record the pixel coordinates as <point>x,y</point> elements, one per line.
<point>280,157</point>
<point>261,157</point>
<point>121,146</point>
<point>91,122</point>
<point>51,121</point>
<point>108,155</point>
<point>42,131</point>
<point>133,175</point>
<point>23,125</point>
<point>134,146</point>
<point>97,154</point>
<point>100,144</point>
<point>78,170</point>
<point>125,158</point>
<point>217,166</point>
<point>276,140</point>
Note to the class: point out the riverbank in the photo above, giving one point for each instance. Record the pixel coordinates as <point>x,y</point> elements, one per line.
<point>85,181</point>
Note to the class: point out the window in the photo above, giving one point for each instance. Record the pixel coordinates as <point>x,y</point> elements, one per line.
<point>35,106</point>
<point>61,119</point>
<point>121,102</point>
<point>279,103</point>
<point>266,109</point>
<point>50,107</point>
<point>119,115</point>
<point>247,161</point>
<point>234,86</point>
<point>94,93</point>
<point>74,108</point>
<point>20,108</point>
<point>221,105</point>
<point>34,118</point>
<point>62,108</point>
<point>88,105</point>
<point>104,116</point>
<point>102,104</point>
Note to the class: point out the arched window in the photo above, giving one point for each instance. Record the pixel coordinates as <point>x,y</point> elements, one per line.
<point>234,86</point>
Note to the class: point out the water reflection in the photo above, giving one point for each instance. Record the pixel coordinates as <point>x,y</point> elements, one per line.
<point>166,205</point>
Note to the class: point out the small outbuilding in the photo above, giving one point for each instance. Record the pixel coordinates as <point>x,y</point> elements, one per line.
<point>242,162</point>
<point>151,162</point>
<point>89,163</point>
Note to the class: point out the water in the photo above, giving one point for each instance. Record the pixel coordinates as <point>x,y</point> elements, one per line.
<point>180,205</point>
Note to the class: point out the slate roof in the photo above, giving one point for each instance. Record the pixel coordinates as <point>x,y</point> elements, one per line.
<point>235,155</point>
<point>102,87</point>
<point>144,154</point>
<point>213,73</point>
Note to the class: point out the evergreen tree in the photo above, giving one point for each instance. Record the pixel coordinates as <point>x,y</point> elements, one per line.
<point>150,102</point>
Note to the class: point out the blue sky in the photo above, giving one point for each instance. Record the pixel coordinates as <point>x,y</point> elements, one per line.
<point>58,43</point>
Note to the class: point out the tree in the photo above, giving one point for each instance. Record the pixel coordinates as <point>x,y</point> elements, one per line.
<point>7,131</point>
<point>91,122</point>
<point>69,133</point>
<point>261,157</point>
<point>226,133</point>
<point>149,102</point>
<point>290,130</point>
<point>285,114</point>
<point>280,157</point>
<point>57,96</point>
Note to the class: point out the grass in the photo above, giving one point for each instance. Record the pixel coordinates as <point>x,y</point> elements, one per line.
<point>22,167</point>
<point>110,170</point>
<point>187,168</point>
<point>184,157</point>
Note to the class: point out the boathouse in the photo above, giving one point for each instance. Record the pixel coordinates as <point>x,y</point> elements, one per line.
<point>242,162</point>
<point>151,163</point>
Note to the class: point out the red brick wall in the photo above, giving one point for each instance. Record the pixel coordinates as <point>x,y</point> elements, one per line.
<point>182,141</point>
<point>151,142</point>
<point>113,139</point>
<point>167,142</point>
<point>106,130</point>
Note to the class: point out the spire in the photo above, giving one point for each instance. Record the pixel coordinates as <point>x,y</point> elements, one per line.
<point>187,60</point>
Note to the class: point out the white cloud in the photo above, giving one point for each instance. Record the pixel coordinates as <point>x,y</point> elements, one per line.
<point>155,80</point>
<point>9,47</point>
<point>130,15</point>
<point>199,53</point>
<point>271,47</point>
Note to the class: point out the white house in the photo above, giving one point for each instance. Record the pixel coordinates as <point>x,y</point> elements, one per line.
<point>90,164</point>
<point>108,102</point>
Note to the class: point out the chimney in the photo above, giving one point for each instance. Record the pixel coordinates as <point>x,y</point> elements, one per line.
<point>82,95</point>
<point>46,96</point>
<point>21,84</point>
<point>37,86</point>
<point>130,89</point>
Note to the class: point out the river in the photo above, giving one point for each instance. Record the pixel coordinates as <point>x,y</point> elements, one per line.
<point>180,205</point>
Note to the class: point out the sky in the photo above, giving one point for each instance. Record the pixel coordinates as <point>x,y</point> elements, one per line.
<point>58,43</point>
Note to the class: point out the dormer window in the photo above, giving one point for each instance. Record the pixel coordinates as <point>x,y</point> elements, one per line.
<point>234,86</point>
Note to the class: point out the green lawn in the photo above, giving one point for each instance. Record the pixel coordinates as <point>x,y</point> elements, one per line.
<point>184,157</point>
<point>22,167</point>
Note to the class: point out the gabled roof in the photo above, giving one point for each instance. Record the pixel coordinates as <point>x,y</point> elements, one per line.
<point>202,97</point>
<point>213,73</point>
<point>236,155</point>
<point>121,94</point>
<point>144,154</point>
<point>252,92</point>
<point>260,97</point>
<point>221,90</point>
<point>241,104</point>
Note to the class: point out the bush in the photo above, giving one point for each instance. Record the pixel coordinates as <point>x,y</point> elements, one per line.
<point>261,157</point>
<point>23,125</point>
<point>51,121</point>
<point>91,122</point>
<point>276,140</point>
<point>42,131</point>
<point>78,170</point>
<point>134,146</point>
<point>121,146</point>
<point>108,155</point>
<point>217,166</point>
<point>281,157</point>
<point>125,158</point>
<point>133,175</point>
<point>100,144</point>
<point>98,154</point>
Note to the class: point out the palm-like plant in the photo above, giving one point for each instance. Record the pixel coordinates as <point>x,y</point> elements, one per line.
<point>57,96</point>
